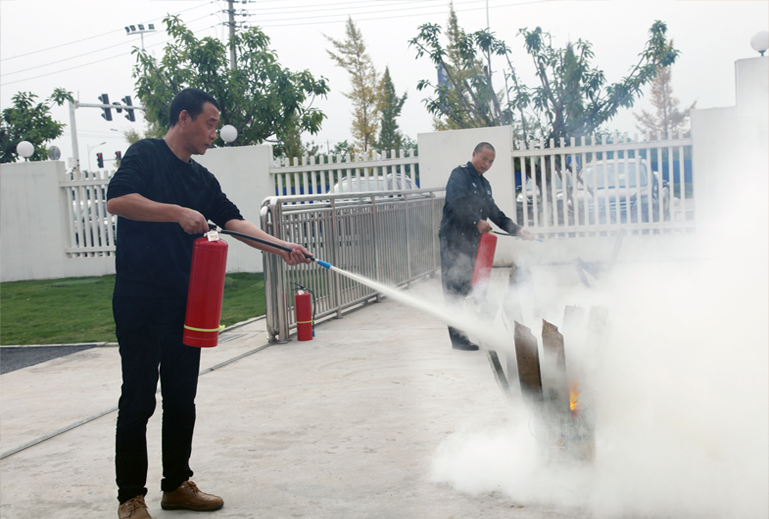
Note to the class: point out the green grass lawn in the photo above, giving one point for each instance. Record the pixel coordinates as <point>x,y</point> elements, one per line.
<point>78,310</point>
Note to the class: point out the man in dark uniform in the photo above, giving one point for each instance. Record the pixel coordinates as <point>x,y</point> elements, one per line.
<point>467,208</point>
<point>164,200</point>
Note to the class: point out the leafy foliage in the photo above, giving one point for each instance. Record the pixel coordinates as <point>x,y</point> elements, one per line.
<point>351,55</point>
<point>390,137</point>
<point>466,98</point>
<point>572,98</point>
<point>668,119</point>
<point>28,120</point>
<point>262,100</point>
<point>153,131</point>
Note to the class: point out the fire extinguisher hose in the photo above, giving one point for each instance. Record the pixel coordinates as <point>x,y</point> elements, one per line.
<point>323,264</point>
<point>508,234</point>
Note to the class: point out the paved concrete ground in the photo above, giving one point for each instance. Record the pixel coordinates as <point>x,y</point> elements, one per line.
<point>344,426</point>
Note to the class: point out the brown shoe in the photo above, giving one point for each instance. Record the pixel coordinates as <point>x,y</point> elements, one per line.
<point>134,508</point>
<point>189,497</point>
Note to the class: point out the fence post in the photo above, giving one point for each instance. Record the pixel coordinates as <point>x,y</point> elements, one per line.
<point>408,238</point>
<point>334,253</point>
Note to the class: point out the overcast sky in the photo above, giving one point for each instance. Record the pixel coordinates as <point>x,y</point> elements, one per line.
<point>82,46</point>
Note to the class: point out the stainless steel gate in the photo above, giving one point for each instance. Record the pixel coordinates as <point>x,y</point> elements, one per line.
<point>387,236</point>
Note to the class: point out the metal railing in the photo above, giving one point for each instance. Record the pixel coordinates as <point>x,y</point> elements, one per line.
<point>388,236</point>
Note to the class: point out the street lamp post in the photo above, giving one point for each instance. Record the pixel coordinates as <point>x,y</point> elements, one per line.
<point>131,30</point>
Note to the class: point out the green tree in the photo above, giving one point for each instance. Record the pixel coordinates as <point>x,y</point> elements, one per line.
<point>390,137</point>
<point>351,55</point>
<point>572,99</point>
<point>668,118</point>
<point>466,98</point>
<point>28,120</point>
<point>459,68</point>
<point>342,148</point>
<point>262,100</point>
<point>574,96</point>
<point>153,130</point>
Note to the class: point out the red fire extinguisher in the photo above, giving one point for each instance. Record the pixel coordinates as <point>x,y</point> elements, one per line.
<point>304,317</point>
<point>484,259</point>
<point>204,298</point>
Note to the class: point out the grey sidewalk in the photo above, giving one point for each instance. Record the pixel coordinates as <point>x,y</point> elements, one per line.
<point>344,426</point>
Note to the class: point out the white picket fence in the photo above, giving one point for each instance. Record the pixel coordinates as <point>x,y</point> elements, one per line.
<point>320,174</point>
<point>558,197</point>
<point>91,228</point>
<point>604,184</point>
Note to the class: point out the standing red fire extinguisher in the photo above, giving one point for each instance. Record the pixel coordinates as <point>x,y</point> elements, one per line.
<point>204,298</point>
<point>305,314</point>
<point>484,259</point>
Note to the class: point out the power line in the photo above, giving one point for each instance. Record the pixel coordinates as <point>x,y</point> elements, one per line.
<point>65,59</point>
<point>96,36</point>
<point>91,62</point>
<point>60,45</point>
<point>268,23</point>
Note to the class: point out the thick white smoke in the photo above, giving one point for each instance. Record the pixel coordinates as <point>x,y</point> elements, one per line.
<point>680,388</point>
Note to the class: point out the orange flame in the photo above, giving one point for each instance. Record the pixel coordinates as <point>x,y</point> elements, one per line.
<point>574,405</point>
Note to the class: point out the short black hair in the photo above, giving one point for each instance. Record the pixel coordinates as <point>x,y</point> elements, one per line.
<point>191,100</point>
<point>482,145</point>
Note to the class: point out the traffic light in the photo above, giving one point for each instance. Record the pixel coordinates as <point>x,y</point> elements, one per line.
<point>104,98</point>
<point>118,158</point>
<point>100,160</point>
<point>129,111</point>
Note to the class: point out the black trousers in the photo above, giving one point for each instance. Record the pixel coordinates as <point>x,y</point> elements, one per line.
<point>149,332</point>
<point>457,265</point>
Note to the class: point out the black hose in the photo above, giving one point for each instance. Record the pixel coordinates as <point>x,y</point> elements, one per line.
<point>259,240</point>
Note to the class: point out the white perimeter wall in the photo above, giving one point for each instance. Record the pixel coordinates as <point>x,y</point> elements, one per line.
<point>244,174</point>
<point>34,226</point>
<point>732,144</point>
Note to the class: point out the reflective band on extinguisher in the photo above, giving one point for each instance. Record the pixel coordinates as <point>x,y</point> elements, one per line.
<point>304,322</point>
<point>203,329</point>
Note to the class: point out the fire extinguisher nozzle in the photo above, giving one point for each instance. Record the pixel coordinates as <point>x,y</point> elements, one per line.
<point>324,264</point>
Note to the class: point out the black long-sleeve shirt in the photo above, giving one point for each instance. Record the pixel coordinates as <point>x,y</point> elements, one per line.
<point>468,201</point>
<point>154,259</point>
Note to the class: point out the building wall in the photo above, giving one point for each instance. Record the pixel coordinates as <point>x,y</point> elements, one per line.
<point>731,146</point>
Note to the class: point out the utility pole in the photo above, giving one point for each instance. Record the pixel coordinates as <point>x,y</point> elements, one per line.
<point>73,131</point>
<point>231,12</point>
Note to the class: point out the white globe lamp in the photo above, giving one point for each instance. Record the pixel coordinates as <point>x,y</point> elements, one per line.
<point>760,42</point>
<point>25,149</point>
<point>228,134</point>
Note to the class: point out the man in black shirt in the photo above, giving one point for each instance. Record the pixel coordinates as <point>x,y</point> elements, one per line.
<point>467,208</point>
<point>164,200</point>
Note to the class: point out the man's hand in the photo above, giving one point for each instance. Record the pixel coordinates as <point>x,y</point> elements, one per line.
<point>192,221</point>
<point>137,207</point>
<point>525,234</point>
<point>297,255</point>
<point>483,226</point>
